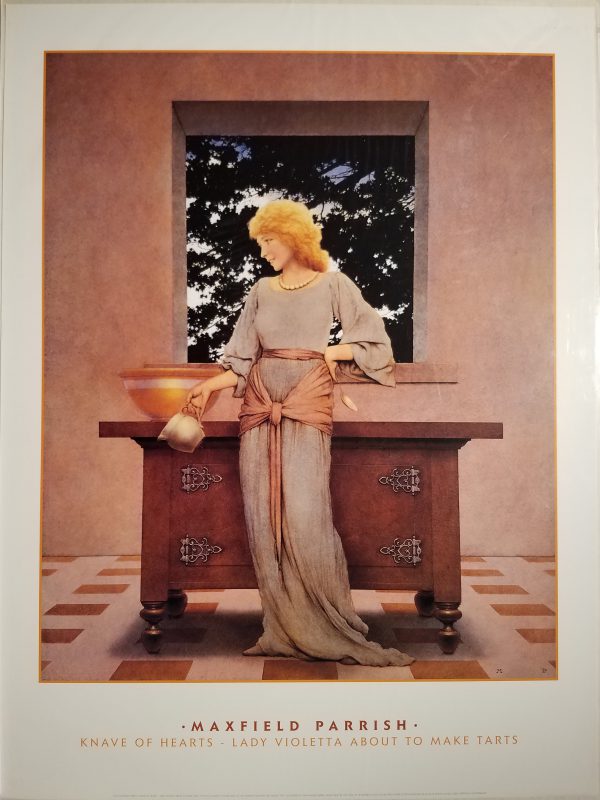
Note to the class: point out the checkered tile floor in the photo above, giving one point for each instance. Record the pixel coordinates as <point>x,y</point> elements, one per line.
<point>90,628</point>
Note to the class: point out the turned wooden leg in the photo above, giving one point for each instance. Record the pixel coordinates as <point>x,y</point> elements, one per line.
<point>424,602</point>
<point>448,614</point>
<point>176,602</point>
<point>152,613</point>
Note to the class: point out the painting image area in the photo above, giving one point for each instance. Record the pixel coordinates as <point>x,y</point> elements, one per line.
<point>366,262</point>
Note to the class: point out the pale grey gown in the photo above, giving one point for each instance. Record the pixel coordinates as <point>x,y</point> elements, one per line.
<point>307,605</point>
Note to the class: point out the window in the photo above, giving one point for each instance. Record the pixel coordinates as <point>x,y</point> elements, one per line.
<point>361,191</point>
<point>361,166</point>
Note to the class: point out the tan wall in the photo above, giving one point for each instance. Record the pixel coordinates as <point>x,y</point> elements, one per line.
<point>114,289</point>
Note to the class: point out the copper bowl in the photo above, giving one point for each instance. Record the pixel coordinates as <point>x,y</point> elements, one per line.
<point>160,390</point>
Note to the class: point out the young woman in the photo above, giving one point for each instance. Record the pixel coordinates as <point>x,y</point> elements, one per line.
<point>279,361</point>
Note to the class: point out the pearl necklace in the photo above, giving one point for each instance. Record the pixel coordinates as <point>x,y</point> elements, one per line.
<point>298,285</point>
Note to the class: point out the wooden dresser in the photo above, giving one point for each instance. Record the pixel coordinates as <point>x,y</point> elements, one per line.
<point>394,488</point>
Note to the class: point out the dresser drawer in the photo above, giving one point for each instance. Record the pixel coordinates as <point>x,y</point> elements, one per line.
<point>207,514</point>
<point>381,509</point>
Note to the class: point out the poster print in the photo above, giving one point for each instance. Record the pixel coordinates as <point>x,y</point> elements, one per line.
<point>123,226</point>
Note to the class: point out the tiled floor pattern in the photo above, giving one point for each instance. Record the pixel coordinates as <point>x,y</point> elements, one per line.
<point>91,628</point>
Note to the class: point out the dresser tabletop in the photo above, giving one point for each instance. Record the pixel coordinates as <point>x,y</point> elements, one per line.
<point>149,429</point>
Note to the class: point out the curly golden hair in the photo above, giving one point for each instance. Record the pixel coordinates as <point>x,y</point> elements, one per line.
<point>292,222</point>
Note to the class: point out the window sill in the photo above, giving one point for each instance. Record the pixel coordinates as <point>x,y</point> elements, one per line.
<point>426,372</point>
<point>413,372</point>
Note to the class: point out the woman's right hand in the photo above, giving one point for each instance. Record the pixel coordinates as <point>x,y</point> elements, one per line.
<point>198,396</point>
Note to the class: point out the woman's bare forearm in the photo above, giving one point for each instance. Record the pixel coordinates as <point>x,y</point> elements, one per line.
<point>223,381</point>
<point>199,394</point>
<point>339,352</point>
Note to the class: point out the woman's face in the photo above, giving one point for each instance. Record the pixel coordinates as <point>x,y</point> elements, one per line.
<point>276,252</point>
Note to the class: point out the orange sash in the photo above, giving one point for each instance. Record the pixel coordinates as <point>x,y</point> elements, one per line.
<point>310,402</point>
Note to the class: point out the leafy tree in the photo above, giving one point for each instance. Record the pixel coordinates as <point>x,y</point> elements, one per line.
<point>361,190</point>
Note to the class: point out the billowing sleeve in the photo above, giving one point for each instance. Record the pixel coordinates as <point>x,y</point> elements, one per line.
<point>364,330</point>
<point>242,350</point>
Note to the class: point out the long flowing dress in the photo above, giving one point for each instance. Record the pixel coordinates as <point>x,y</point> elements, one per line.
<point>306,600</point>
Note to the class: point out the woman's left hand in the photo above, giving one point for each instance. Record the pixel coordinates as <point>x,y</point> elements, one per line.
<point>335,353</point>
<point>331,362</point>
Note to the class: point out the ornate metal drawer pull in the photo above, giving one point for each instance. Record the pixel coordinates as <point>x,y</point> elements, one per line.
<point>194,478</point>
<point>405,478</point>
<point>193,550</point>
<point>406,552</point>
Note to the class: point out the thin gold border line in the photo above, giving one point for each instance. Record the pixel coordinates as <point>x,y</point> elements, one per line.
<point>42,420</point>
<point>334,681</point>
<point>302,52</point>
<point>555,366</point>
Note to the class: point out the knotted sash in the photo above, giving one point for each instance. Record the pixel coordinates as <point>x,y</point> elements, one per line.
<point>310,401</point>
